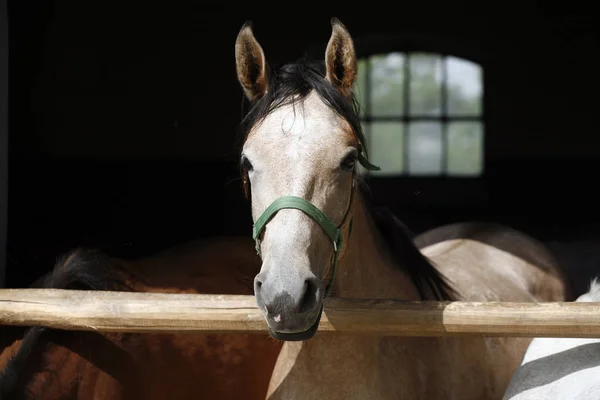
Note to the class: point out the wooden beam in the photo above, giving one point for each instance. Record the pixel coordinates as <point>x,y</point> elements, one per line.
<point>159,312</point>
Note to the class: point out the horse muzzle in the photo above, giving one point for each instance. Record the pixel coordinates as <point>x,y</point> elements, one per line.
<point>291,307</point>
<point>299,335</point>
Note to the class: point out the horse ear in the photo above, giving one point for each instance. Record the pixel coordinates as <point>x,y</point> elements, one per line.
<point>340,58</point>
<point>250,64</point>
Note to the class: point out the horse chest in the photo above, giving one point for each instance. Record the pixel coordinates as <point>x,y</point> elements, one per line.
<point>384,368</point>
<point>345,368</point>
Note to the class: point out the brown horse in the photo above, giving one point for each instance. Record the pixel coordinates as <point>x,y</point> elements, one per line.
<point>50,364</point>
<point>317,234</point>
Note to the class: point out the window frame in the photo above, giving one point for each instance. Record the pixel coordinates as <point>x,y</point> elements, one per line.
<point>405,117</point>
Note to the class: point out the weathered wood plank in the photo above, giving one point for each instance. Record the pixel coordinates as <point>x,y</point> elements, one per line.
<point>158,312</point>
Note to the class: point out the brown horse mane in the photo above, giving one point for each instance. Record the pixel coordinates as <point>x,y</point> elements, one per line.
<point>292,82</point>
<point>81,269</point>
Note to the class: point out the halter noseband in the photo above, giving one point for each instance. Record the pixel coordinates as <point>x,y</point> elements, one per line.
<point>333,232</point>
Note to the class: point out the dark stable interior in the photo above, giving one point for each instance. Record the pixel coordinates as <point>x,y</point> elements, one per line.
<point>123,122</point>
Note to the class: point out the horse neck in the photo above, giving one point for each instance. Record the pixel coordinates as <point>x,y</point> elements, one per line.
<point>366,268</point>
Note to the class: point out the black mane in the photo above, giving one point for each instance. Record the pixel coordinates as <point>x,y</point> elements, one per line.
<point>290,83</point>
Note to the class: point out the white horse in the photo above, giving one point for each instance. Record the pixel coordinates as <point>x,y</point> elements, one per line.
<point>560,368</point>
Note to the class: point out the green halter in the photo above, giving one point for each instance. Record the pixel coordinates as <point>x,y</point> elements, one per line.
<point>333,232</point>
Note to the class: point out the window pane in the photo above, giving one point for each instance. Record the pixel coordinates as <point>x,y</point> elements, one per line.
<point>386,147</point>
<point>465,148</point>
<point>360,87</point>
<point>425,84</point>
<point>464,80</point>
<point>425,148</point>
<point>387,82</point>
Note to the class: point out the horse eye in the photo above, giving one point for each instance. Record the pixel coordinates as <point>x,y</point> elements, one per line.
<point>348,162</point>
<point>246,164</point>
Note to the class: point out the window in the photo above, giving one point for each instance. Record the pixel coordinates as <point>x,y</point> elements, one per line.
<point>422,114</point>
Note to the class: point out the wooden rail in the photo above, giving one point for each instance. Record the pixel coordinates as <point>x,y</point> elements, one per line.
<point>159,312</point>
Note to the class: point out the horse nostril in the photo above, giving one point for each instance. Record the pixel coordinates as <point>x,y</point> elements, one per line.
<point>258,281</point>
<point>310,299</point>
<point>257,286</point>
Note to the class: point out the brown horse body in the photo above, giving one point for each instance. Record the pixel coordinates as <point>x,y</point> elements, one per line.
<point>89,365</point>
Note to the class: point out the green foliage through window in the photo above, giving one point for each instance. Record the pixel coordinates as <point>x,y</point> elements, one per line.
<point>422,114</point>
